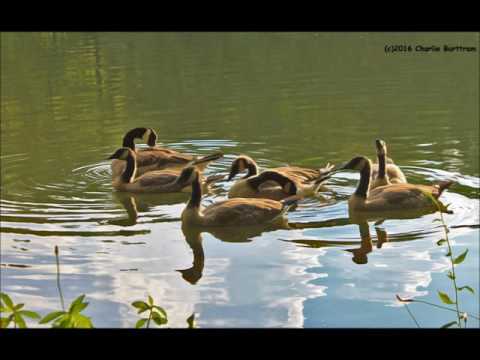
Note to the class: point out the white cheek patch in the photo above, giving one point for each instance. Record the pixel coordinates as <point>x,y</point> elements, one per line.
<point>146,135</point>
<point>241,165</point>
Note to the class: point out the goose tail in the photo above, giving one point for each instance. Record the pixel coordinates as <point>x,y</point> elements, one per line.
<point>202,162</point>
<point>324,174</point>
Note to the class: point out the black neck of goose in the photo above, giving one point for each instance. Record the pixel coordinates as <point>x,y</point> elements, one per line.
<point>381,166</point>
<point>130,169</point>
<point>258,180</point>
<point>252,170</point>
<point>129,138</point>
<point>128,141</point>
<point>196,194</point>
<point>363,185</point>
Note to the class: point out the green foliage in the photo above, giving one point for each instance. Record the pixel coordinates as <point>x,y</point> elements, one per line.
<point>450,324</point>
<point>15,314</point>
<point>451,273</point>
<point>460,258</point>
<point>157,314</point>
<point>445,298</point>
<point>467,288</point>
<point>71,318</point>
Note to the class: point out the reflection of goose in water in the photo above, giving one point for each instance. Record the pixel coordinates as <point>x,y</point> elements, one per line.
<point>366,245</point>
<point>193,237</point>
<point>366,242</point>
<point>143,203</point>
<point>231,234</point>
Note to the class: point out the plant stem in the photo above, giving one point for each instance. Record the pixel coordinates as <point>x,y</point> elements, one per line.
<point>453,267</point>
<point>149,317</point>
<point>411,314</point>
<point>58,278</point>
<point>441,307</point>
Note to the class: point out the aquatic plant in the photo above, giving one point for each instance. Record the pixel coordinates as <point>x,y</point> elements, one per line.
<point>454,260</point>
<point>71,318</point>
<point>157,314</point>
<point>17,315</point>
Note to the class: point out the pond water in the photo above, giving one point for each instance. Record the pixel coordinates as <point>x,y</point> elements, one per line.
<point>283,98</point>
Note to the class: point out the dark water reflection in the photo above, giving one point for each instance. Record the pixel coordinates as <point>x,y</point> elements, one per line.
<point>282,98</point>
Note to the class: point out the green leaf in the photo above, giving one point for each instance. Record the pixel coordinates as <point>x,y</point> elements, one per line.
<point>64,322</point>
<point>441,241</point>
<point>460,257</point>
<point>3,309</point>
<point>18,307</point>
<point>20,322</point>
<point>141,306</point>
<point>82,321</point>
<point>51,316</point>
<point>450,275</point>
<point>6,299</point>
<point>449,253</point>
<point>140,323</point>
<point>150,300</point>
<point>445,298</point>
<point>468,288</point>
<point>161,310</point>
<point>159,319</point>
<point>76,302</point>
<point>191,321</point>
<point>4,322</point>
<point>78,308</point>
<point>30,314</point>
<point>449,325</point>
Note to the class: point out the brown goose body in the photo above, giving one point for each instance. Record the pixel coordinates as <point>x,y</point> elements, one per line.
<point>159,181</point>
<point>307,181</point>
<point>154,157</point>
<point>390,198</point>
<point>232,212</point>
<point>397,197</point>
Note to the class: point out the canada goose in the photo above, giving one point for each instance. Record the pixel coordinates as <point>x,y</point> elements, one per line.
<point>307,181</point>
<point>159,181</point>
<point>280,187</point>
<point>233,212</point>
<point>153,158</point>
<point>389,198</point>
<point>383,173</point>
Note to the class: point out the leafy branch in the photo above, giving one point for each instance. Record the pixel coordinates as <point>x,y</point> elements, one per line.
<point>16,313</point>
<point>156,313</point>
